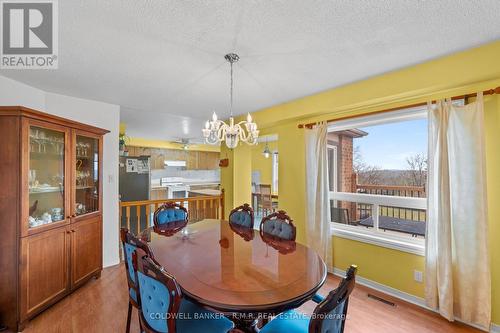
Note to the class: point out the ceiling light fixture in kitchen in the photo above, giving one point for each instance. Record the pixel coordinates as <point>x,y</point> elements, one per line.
<point>266,151</point>
<point>216,130</point>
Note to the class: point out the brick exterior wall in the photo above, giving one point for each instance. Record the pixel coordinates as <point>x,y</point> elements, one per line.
<point>347,180</point>
<point>346,151</point>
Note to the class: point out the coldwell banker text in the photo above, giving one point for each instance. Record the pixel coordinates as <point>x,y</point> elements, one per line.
<point>29,34</point>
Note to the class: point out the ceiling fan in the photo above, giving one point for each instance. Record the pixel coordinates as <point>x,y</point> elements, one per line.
<point>185,142</point>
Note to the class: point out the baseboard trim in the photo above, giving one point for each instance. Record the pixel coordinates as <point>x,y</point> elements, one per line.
<point>385,289</point>
<point>400,295</point>
<point>495,328</point>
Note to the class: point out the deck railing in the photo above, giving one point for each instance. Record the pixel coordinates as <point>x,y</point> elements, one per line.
<point>138,215</point>
<point>378,206</point>
<point>365,210</point>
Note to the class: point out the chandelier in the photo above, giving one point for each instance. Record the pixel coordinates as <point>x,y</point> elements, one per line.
<point>216,130</point>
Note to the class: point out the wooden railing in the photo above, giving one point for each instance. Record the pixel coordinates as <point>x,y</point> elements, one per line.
<point>398,191</point>
<point>138,215</point>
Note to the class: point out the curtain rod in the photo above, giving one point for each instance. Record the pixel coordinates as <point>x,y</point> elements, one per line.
<point>486,92</point>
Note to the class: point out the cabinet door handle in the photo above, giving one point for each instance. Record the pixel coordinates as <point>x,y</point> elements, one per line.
<point>68,232</point>
<point>73,230</point>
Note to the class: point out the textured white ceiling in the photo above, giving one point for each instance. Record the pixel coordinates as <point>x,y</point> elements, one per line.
<point>162,58</point>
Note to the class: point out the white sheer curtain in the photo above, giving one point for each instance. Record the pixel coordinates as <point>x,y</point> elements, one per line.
<point>317,201</point>
<point>457,262</point>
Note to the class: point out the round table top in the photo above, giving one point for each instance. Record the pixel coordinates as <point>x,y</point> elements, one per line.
<point>218,266</point>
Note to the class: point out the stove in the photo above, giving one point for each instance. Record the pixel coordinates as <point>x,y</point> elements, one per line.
<point>175,187</point>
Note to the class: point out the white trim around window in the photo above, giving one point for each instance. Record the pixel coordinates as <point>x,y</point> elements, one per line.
<point>375,236</point>
<point>414,246</point>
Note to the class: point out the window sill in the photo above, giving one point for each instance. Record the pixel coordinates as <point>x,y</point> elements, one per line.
<point>413,246</point>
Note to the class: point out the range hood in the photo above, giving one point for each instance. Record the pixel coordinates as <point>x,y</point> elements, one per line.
<point>175,163</point>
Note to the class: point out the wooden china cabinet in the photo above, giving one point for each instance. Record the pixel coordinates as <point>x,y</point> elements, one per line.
<point>50,210</point>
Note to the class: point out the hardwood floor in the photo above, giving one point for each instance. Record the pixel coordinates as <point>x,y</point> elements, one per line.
<point>101,306</point>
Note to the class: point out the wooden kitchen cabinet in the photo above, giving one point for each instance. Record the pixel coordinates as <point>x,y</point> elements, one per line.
<point>51,217</point>
<point>192,160</point>
<point>44,270</point>
<point>195,160</point>
<point>208,160</point>
<point>202,160</point>
<point>86,258</point>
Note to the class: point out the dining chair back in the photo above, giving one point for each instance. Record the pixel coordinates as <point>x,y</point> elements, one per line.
<point>130,245</point>
<point>169,212</point>
<point>339,215</point>
<point>163,309</point>
<point>328,317</point>
<point>278,225</point>
<point>242,216</point>
<point>330,314</point>
<point>159,295</point>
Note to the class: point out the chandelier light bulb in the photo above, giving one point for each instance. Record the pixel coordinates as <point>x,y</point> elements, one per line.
<point>249,118</point>
<point>214,116</point>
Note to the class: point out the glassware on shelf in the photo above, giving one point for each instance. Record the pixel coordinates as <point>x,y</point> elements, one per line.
<point>46,176</point>
<point>86,180</point>
<point>32,178</point>
<point>43,143</point>
<point>81,209</point>
<point>57,214</point>
<point>83,149</point>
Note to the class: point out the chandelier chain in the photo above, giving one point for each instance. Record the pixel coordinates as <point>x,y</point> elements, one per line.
<point>231,91</point>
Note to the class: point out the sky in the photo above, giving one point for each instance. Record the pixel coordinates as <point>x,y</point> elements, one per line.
<point>387,146</point>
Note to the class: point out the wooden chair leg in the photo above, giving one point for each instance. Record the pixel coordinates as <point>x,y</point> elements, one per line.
<point>139,318</point>
<point>129,317</point>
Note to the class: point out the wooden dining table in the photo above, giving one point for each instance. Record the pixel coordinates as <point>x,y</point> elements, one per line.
<point>247,278</point>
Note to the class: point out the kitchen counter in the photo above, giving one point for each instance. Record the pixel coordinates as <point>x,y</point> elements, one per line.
<point>187,182</point>
<point>207,192</point>
<point>190,184</point>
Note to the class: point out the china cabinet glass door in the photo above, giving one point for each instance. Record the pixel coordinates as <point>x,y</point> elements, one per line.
<point>86,178</point>
<point>46,176</point>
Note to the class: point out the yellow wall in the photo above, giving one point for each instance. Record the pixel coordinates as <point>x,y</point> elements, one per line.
<point>262,164</point>
<point>389,267</point>
<point>123,128</point>
<point>237,192</point>
<point>464,72</point>
<point>227,179</point>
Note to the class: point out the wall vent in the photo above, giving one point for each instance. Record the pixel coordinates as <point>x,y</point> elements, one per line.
<point>380,299</point>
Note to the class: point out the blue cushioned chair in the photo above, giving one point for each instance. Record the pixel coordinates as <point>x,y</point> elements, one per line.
<point>169,212</point>
<point>278,225</point>
<point>164,310</point>
<point>130,244</point>
<point>242,216</point>
<point>328,317</point>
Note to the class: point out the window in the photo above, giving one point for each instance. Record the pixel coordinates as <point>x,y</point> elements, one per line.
<point>377,174</point>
